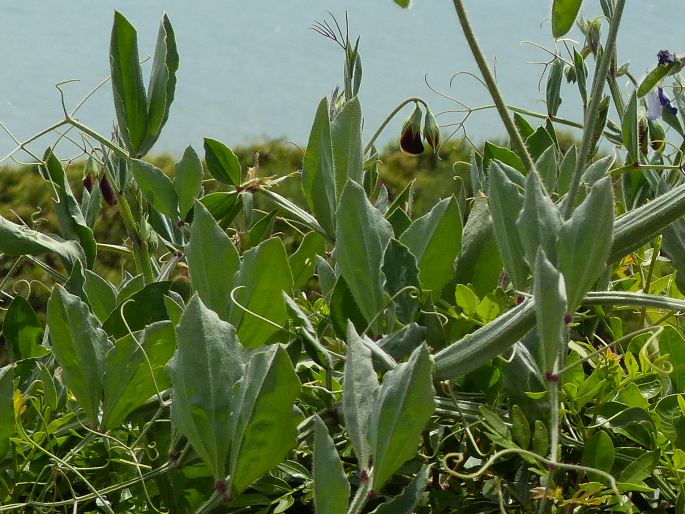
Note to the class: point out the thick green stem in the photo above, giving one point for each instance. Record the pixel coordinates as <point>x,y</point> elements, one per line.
<point>601,74</point>
<point>389,117</point>
<point>141,253</point>
<point>517,143</point>
<point>360,498</point>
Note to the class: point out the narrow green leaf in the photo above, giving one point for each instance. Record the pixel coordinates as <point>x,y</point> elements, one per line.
<point>327,276</point>
<point>520,428</point>
<point>213,261</point>
<point>70,219</point>
<point>79,345</point>
<point>506,202</point>
<point>599,452</point>
<point>331,488</point>
<point>403,406</point>
<point>435,241</point>
<point>581,75</point>
<point>406,501</point>
<point>564,14</point>
<point>294,210</point>
<point>361,238</point>
<point>160,90</point>
<point>566,168</point>
<point>554,76</point>
<point>641,467</point>
<point>540,438</point>
<point>222,163</point>
<point>318,171</point>
<point>584,242</point>
<point>156,187</point>
<point>130,101</point>
<point>206,365</point>
<point>477,348</point>
<point>264,422</point>
<point>102,295</point>
<point>550,309</point>
<point>7,426</point>
<point>346,137</point>
<point>652,79</point>
<point>303,261</point>
<point>135,371</point>
<point>263,275</point>
<point>188,180</point>
<point>359,393</point>
<point>548,166</point>
<point>539,221</point>
<point>21,329</point>
<point>629,130</point>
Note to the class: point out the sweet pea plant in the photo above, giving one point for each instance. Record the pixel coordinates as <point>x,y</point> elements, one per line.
<point>516,349</point>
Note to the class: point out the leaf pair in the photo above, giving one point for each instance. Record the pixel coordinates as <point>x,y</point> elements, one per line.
<point>140,114</point>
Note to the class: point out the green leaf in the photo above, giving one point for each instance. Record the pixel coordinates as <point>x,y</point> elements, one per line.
<point>477,348</point>
<point>362,235</point>
<point>70,219</point>
<point>140,309</point>
<point>79,345</point>
<point>263,275</point>
<point>566,169</point>
<point>491,151</point>
<point>641,467</point>
<point>520,429</point>
<point>223,206</point>
<point>134,371</point>
<point>102,295</point>
<point>548,167</point>
<point>564,14</point>
<point>128,90</point>
<point>206,365</point>
<point>303,260</point>
<point>21,330</point>
<point>539,221</point>
<point>318,171</point>
<point>540,438</point>
<point>400,270</point>
<point>435,241</point>
<point>156,187</point>
<point>554,76</point>
<point>550,309</point>
<point>538,142</point>
<point>343,308</point>
<point>404,4</point>
<point>7,426</point>
<point>629,131</point>
<point>160,90</point>
<point>212,260</point>
<point>359,393</point>
<point>403,406</point>
<point>671,343</point>
<point>584,242</point>
<point>524,128</point>
<point>406,501</point>
<point>506,203</point>
<point>264,422</point>
<point>222,163</point>
<point>346,137</point>
<point>331,488</point>
<point>599,452</point>
<point>188,180</point>
<point>652,79</point>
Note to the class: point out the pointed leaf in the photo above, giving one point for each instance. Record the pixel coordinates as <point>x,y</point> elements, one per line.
<point>188,180</point>
<point>331,488</point>
<point>435,241</point>
<point>263,275</point>
<point>134,371</point>
<point>127,84</point>
<point>21,330</point>
<point>156,187</point>
<point>140,309</point>
<point>346,136</point>
<point>506,203</point>
<point>401,271</point>
<point>264,421</point>
<point>303,261</point>
<point>7,426</point>
<point>599,452</point>
<point>361,238</point>
<point>550,309</point>
<point>630,131</point>
<point>360,388</point>
<point>554,76</point>
<point>564,14</point>
<point>79,345</point>
<point>206,365</point>
<point>222,163</point>
<point>502,154</point>
<point>584,242</point>
<point>213,261</point>
<point>403,406</point>
<point>102,295</point>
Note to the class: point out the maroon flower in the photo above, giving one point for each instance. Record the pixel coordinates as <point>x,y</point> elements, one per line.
<point>88,182</point>
<point>410,137</point>
<point>107,192</point>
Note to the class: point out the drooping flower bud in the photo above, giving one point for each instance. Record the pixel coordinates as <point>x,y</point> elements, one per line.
<point>107,192</point>
<point>88,182</point>
<point>410,137</point>
<point>431,131</point>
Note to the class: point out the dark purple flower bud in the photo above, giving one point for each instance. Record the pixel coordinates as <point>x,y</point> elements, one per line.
<point>410,137</point>
<point>665,101</point>
<point>665,58</point>
<point>107,192</point>
<point>431,131</point>
<point>88,182</point>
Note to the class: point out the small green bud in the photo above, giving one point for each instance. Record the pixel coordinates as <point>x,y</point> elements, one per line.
<point>431,131</point>
<point>410,137</point>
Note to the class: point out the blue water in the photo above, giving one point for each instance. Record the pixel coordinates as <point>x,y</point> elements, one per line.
<point>253,69</point>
